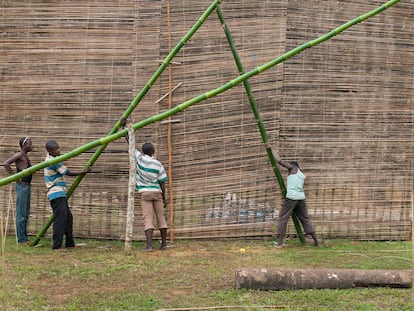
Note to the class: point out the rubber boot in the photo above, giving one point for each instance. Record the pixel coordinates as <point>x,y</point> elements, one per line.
<point>315,239</point>
<point>148,236</point>
<point>163,232</point>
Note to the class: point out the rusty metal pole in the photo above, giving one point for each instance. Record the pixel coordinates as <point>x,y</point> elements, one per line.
<point>169,142</point>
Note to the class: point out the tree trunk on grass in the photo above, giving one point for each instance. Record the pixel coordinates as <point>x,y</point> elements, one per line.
<point>282,279</point>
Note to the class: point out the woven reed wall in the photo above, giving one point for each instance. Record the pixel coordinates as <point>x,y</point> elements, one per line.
<point>343,110</point>
<point>348,117</point>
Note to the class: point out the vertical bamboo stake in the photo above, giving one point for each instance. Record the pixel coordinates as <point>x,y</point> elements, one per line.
<point>258,118</point>
<point>169,142</point>
<point>131,188</point>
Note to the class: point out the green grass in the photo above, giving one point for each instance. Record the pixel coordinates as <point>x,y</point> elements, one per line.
<point>192,274</point>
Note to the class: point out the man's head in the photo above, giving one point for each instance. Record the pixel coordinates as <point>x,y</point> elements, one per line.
<point>53,148</point>
<point>148,149</point>
<point>25,143</point>
<point>294,163</point>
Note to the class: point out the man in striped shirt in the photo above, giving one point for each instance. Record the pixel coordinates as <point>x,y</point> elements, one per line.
<point>150,183</point>
<point>56,195</point>
<point>150,178</point>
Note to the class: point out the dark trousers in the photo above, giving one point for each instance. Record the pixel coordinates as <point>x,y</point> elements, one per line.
<point>62,223</point>
<point>299,208</point>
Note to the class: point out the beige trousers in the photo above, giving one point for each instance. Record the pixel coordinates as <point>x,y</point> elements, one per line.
<point>151,202</point>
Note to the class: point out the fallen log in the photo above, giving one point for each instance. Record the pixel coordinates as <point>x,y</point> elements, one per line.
<point>282,279</point>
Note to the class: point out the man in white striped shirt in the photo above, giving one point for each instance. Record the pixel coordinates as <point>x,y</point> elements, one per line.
<point>150,183</point>
<point>150,178</point>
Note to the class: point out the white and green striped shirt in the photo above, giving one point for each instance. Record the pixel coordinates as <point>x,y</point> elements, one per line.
<point>149,173</point>
<point>295,186</point>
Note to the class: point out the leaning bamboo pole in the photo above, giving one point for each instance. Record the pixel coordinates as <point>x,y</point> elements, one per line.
<point>107,139</point>
<point>134,103</point>
<point>258,118</point>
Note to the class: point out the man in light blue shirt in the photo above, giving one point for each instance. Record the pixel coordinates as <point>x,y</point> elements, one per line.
<point>294,202</point>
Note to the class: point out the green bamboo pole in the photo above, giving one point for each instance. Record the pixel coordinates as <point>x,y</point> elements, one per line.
<point>133,105</point>
<point>194,100</point>
<point>259,121</point>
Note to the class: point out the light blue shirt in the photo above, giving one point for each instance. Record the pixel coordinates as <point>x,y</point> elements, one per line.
<point>295,186</point>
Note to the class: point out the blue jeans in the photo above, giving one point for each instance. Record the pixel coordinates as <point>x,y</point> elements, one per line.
<point>23,191</point>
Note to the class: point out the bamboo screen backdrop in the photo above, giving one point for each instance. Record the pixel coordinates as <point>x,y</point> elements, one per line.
<point>343,110</point>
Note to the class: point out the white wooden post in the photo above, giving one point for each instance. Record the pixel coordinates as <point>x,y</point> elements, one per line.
<point>131,190</point>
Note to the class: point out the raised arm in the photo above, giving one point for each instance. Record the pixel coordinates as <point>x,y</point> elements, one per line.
<point>123,125</point>
<point>281,162</point>
<point>279,159</point>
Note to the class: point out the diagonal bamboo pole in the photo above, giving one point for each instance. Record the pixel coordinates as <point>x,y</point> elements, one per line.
<point>258,118</point>
<point>107,139</point>
<point>166,63</point>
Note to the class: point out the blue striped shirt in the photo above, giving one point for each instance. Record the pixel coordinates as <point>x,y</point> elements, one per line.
<point>149,173</point>
<point>55,179</point>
